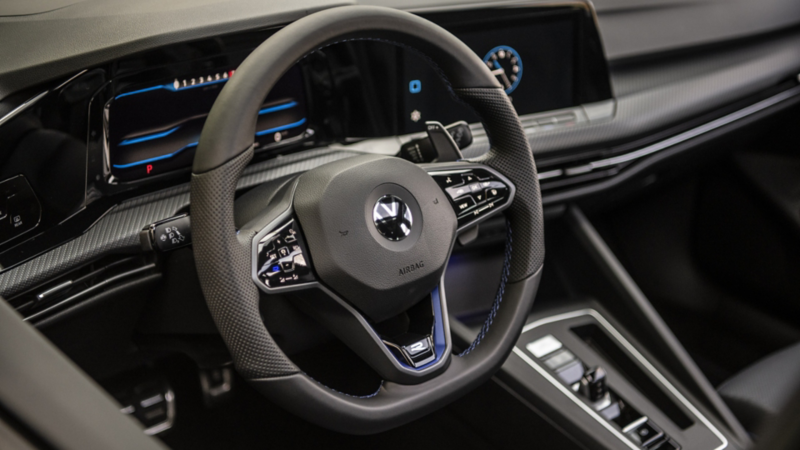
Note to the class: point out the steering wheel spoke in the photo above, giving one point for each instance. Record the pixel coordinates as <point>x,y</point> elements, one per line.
<point>410,348</point>
<point>475,191</point>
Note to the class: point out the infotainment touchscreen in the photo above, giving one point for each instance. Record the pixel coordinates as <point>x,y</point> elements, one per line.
<point>544,59</point>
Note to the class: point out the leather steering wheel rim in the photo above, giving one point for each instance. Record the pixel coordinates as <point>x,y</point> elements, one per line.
<point>224,262</point>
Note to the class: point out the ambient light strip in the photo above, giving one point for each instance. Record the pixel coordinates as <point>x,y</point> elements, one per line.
<point>633,352</point>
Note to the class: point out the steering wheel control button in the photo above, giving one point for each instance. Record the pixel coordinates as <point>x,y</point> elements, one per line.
<point>478,194</point>
<point>281,258</point>
<point>392,218</point>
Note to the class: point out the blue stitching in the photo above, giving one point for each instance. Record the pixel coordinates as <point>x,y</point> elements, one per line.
<point>344,393</point>
<point>498,298</point>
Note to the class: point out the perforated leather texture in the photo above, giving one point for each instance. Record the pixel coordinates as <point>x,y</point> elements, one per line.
<point>224,266</point>
<point>511,155</point>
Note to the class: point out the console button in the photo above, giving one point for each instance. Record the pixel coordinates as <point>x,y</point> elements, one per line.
<point>544,346</point>
<point>645,434</point>
<point>560,359</point>
<point>571,373</point>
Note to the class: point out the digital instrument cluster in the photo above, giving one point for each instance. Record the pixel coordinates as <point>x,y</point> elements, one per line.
<point>155,129</point>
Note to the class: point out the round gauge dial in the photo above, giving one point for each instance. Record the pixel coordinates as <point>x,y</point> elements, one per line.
<point>506,65</point>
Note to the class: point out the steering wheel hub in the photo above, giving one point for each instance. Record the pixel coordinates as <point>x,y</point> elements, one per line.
<point>392,217</point>
<point>364,260</point>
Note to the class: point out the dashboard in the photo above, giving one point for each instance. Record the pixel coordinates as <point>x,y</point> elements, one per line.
<point>152,118</point>
<point>131,126</point>
<point>115,132</point>
<point>99,128</point>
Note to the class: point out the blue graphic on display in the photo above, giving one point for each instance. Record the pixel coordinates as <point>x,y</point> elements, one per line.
<point>506,65</point>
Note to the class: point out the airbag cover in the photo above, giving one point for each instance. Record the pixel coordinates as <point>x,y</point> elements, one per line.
<point>334,204</point>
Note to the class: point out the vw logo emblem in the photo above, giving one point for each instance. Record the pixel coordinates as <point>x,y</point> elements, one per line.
<point>392,218</point>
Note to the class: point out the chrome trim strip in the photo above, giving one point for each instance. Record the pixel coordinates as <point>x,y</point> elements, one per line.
<point>635,353</point>
<point>69,80</point>
<point>550,174</point>
<point>695,132</point>
<point>19,109</point>
<point>88,291</point>
<point>169,397</point>
<point>634,424</point>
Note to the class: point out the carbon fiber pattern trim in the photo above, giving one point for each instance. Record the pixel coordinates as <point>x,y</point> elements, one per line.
<point>118,230</point>
<point>511,155</point>
<point>224,265</point>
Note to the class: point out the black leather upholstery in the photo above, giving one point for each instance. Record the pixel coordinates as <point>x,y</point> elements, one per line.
<point>759,392</point>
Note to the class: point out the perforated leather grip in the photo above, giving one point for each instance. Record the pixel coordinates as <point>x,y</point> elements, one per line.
<point>511,155</point>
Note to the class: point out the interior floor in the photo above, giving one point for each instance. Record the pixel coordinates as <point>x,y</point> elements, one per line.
<point>489,417</point>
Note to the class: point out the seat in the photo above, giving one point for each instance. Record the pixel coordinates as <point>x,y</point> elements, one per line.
<point>760,391</point>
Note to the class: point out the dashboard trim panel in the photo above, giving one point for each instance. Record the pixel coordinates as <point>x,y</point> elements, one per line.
<point>677,139</point>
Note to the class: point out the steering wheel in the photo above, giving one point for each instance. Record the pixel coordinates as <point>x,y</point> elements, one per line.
<point>364,241</point>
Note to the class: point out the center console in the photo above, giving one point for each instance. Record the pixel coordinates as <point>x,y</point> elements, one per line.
<point>589,365</point>
<point>598,361</point>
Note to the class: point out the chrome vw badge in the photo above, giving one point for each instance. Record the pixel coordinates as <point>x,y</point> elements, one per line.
<point>392,218</point>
